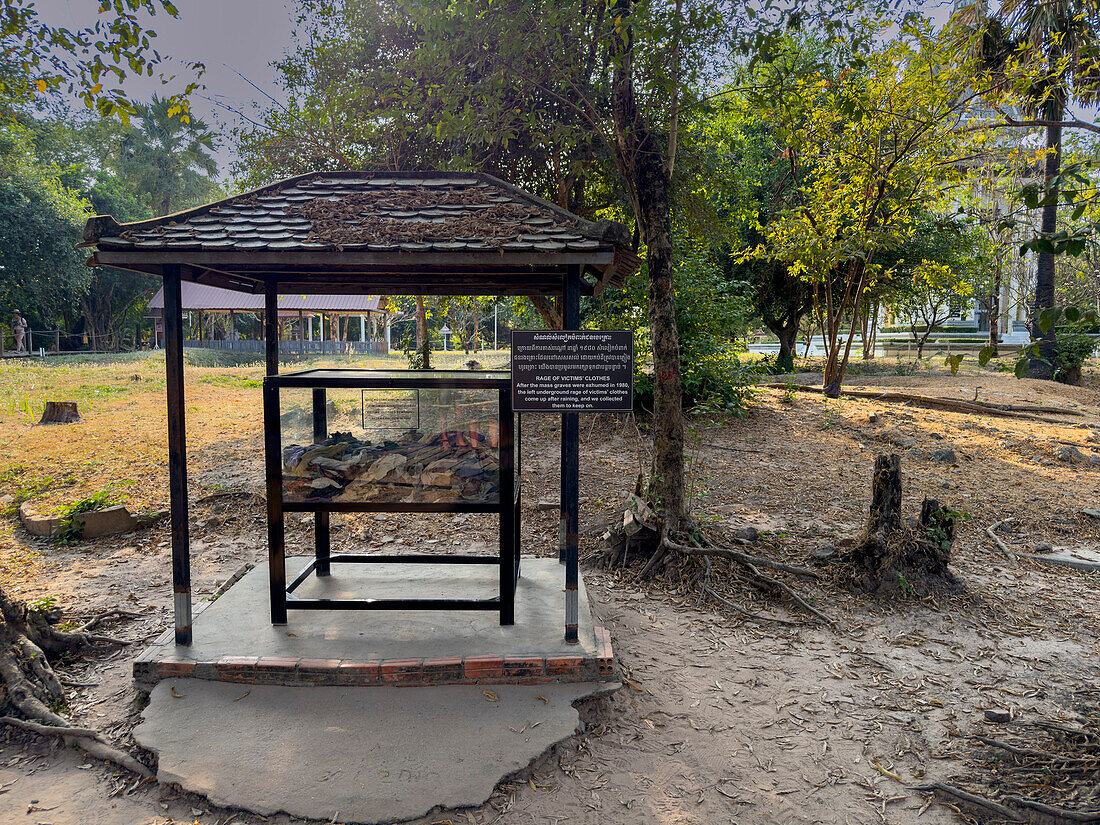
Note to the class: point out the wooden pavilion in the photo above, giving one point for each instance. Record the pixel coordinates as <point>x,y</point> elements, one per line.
<point>431,233</point>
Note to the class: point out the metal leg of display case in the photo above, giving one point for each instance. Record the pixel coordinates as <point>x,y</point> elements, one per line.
<point>322,541</point>
<point>507,513</point>
<point>273,461</point>
<point>517,509</point>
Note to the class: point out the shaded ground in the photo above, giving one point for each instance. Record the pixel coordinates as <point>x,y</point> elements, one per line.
<point>723,718</point>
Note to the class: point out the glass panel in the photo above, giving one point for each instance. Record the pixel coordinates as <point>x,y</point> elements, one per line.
<point>391,446</point>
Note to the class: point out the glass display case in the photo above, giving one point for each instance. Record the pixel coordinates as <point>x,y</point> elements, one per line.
<point>347,440</point>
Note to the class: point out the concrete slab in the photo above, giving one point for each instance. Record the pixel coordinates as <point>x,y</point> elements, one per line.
<point>351,754</point>
<point>1081,558</point>
<point>235,640</point>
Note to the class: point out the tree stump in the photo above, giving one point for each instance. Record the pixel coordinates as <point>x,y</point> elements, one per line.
<point>894,558</point>
<point>60,412</point>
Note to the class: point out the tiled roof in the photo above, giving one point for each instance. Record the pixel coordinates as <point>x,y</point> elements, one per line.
<point>207,297</point>
<point>382,212</point>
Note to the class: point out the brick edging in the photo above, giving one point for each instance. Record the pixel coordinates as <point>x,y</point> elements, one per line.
<point>443,670</point>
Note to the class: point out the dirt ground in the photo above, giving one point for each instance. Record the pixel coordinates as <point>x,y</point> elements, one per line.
<point>723,717</point>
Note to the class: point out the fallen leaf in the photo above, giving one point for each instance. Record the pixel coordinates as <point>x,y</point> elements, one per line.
<point>492,697</point>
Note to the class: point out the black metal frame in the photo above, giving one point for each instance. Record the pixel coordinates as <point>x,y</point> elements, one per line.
<point>508,506</point>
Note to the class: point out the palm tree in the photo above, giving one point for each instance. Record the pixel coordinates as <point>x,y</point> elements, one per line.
<point>1047,51</point>
<point>167,158</point>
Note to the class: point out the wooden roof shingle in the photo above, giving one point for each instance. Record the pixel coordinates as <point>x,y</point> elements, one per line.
<point>322,229</point>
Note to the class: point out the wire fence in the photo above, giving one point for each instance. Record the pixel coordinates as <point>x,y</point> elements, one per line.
<point>52,342</point>
<point>293,346</point>
<point>40,342</point>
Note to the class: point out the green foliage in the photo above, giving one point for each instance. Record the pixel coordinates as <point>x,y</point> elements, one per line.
<point>91,62</point>
<point>954,362</point>
<point>70,531</point>
<point>166,161</point>
<point>906,587</point>
<point>238,381</point>
<point>788,395</point>
<point>1075,189</point>
<point>1072,348</point>
<point>44,604</point>
<point>40,224</point>
<point>1071,351</point>
<point>939,531</point>
<point>711,313</point>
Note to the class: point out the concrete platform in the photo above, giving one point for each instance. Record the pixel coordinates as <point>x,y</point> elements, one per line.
<point>235,641</point>
<point>349,754</point>
<point>1081,558</point>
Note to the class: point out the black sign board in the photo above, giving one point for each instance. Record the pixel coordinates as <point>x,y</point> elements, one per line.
<point>572,371</point>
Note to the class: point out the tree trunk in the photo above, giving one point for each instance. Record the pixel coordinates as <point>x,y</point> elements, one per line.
<point>885,512</point>
<point>667,484</point>
<point>551,314</point>
<point>641,160</point>
<point>854,278</point>
<point>421,322</point>
<point>788,340</point>
<point>995,315</point>
<point>1042,361</point>
<point>874,329</point>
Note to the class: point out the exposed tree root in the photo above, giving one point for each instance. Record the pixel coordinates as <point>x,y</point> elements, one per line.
<point>642,536</point>
<point>29,686</point>
<point>949,404</point>
<point>997,539</point>
<point>99,618</point>
<point>1038,813</point>
<point>751,565</point>
<point>972,800</point>
<point>748,613</point>
<point>88,740</point>
<point>743,558</point>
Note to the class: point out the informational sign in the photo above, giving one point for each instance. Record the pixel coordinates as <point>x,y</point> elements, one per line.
<point>391,409</point>
<point>572,371</point>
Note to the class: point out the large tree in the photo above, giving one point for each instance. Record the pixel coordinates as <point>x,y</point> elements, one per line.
<point>868,150</point>
<point>41,271</point>
<point>546,94</point>
<point>167,160</point>
<point>1042,56</point>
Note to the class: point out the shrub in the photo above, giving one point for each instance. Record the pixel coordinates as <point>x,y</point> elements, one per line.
<point>711,313</point>
<point>1071,351</point>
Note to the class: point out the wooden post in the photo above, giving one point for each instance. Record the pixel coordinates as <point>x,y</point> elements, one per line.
<point>56,342</point>
<point>177,453</point>
<point>301,334</point>
<point>271,325</point>
<point>276,557</point>
<point>570,470</point>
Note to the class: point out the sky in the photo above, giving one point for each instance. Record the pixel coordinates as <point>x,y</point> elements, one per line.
<point>236,39</point>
